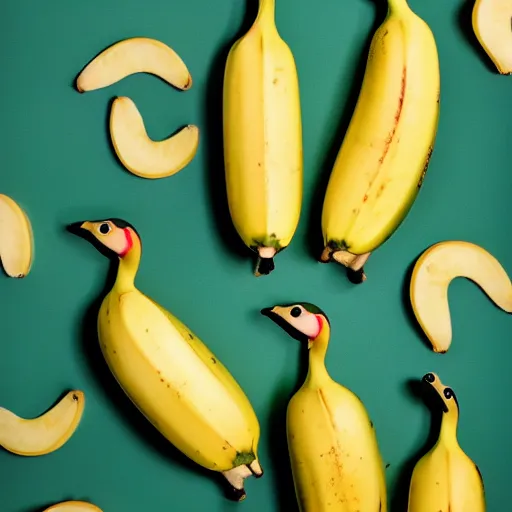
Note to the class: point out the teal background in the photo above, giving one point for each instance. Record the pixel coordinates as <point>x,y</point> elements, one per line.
<point>57,162</point>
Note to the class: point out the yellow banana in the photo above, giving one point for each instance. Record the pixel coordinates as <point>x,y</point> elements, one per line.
<point>170,375</point>
<point>263,139</point>
<point>446,479</point>
<point>386,150</point>
<point>334,454</point>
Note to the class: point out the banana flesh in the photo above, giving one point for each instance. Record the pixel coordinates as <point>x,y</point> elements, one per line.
<point>73,506</point>
<point>46,433</point>
<point>445,479</point>
<point>130,56</point>
<point>263,139</point>
<point>142,156</point>
<point>16,238</point>
<point>385,153</point>
<point>431,277</point>
<point>491,20</point>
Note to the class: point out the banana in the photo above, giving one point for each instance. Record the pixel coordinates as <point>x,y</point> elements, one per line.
<point>73,506</point>
<point>134,55</point>
<point>181,387</point>
<point>434,271</point>
<point>386,150</point>
<point>16,238</point>
<point>141,155</point>
<point>334,453</point>
<point>45,434</point>
<point>492,27</point>
<point>263,139</point>
<point>445,479</point>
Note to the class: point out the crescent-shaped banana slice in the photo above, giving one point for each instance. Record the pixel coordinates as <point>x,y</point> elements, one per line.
<point>16,238</point>
<point>141,155</point>
<point>46,433</point>
<point>73,506</point>
<point>134,55</point>
<point>492,26</point>
<point>433,273</point>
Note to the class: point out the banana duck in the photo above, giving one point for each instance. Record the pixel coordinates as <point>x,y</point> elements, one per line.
<point>171,376</point>
<point>334,454</point>
<point>445,479</point>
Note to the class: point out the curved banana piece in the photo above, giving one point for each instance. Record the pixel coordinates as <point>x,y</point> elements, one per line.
<point>143,156</point>
<point>134,55</point>
<point>73,506</point>
<point>45,434</point>
<point>433,273</point>
<point>16,238</point>
<point>492,27</point>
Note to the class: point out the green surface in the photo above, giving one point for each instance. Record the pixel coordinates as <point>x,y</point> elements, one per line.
<point>58,164</point>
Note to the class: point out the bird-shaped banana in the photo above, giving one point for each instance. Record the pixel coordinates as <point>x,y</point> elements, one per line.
<point>168,372</point>
<point>445,479</point>
<point>263,139</point>
<point>334,453</point>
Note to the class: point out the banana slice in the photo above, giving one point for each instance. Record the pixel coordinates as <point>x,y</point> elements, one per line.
<point>134,55</point>
<point>141,155</point>
<point>434,271</point>
<point>45,434</point>
<point>16,238</point>
<point>492,26</point>
<point>73,506</point>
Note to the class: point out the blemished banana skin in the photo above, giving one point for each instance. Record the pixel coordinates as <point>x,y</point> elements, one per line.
<point>172,377</point>
<point>445,479</point>
<point>386,150</point>
<point>334,454</point>
<point>263,139</point>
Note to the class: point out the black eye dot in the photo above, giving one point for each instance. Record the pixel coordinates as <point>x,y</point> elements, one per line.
<point>448,393</point>
<point>429,377</point>
<point>104,228</point>
<point>295,312</point>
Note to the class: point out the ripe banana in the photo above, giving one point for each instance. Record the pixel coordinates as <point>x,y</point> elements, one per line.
<point>45,434</point>
<point>181,387</point>
<point>263,139</point>
<point>446,479</point>
<point>16,238</point>
<point>491,21</point>
<point>73,506</point>
<point>142,156</point>
<point>384,156</point>
<point>334,454</point>
<point>432,275</point>
<point>134,55</point>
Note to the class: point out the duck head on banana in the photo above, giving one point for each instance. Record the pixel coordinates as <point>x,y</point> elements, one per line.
<point>306,323</point>
<point>444,400</point>
<point>116,239</point>
<point>445,478</point>
<point>334,454</point>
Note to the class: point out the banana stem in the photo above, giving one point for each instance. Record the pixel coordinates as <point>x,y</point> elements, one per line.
<point>236,477</point>
<point>267,10</point>
<point>397,5</point>
<point>265,262</point>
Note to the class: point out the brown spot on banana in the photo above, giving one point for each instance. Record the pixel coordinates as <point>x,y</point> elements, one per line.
<point>398,114</point>
<point>427,161</point>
